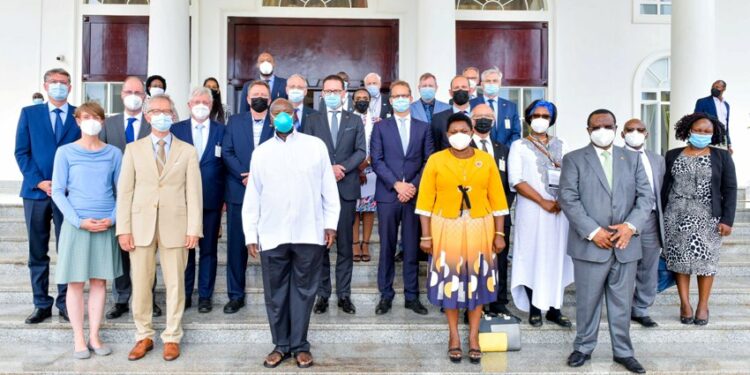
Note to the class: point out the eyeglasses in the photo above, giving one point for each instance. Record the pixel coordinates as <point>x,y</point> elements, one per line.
<point>544,116</point>
<point>157,112</point>
<point>328,92</point>
<point>131,92</point>
<point>53,81</point>
<point>400,96</point>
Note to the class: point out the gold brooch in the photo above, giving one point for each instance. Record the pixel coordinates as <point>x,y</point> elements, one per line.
<point>478,164</point>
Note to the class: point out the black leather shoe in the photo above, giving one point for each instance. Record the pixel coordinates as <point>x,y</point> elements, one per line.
<point>64,316</point>
<point>321,305</point>
<point>631,364</point>
<point>399,257</point>
<point>39,315</point>
<point>559,319</point>
<point>384,306</point>
<point>204,305</point>
<point>535,320</point>
<point>233,306</point>
<point>188,303</point>
<point>346,305</point>
<point>577,359</point>
<point>416,306</point>
<point>157,311</point>
<point>117,310</point>
<point>645,321</point>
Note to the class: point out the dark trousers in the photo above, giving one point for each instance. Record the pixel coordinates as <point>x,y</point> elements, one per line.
<point>236,253</point>
<point>38,214</point>
<point>344,264</point>
<point>208,246</point>
<point>390,216</point>
<point>290,281</point>
<point>502,272</point>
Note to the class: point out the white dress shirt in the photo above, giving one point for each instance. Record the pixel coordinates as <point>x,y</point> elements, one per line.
<point>257,130</point>
<point>53,116</point>
<point>291,197</point>
<point>647,167</point>
<point>721,110</point>
<point>203,134</point>
<point>464,111</point>
<point>136,123</point>
<point>478,141</point>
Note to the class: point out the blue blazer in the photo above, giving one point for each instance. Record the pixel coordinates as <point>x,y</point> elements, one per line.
<point>36,146</point>
<point>212,166</point>
<point>706,105</point>
<point>417,109</point>
<point>237,149</point>
<point>277,91</point>
<point>388,159</point>
<point>506,110</point>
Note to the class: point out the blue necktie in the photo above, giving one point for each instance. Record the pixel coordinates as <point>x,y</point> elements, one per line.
<point>130,131</point>
<point>297,121</point>
<point>58,125</point>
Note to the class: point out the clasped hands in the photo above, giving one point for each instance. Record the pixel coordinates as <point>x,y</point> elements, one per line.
<point>618,239</point>
<point>406,191</point>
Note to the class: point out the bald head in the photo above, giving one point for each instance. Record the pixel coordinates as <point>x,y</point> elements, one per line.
<point>635,133</point>
<point>482,111</point>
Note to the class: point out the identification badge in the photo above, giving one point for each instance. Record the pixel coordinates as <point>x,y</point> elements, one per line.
<point>553,178</point>
<point>501,164</point>
<point>217,151</point>
<point>507,123</point>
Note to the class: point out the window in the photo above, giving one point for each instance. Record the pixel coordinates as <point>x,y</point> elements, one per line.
<point>316,3</point>
<point>107,94</point>
<point>118,2</point>
<point>523,96</point>
<point>654,104</point>
<point>652,11</point>
<point>501,4</point>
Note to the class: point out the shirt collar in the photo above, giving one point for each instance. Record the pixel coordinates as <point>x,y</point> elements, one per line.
<point>407,117</point>
<point>205,122</point>
<point>599,150</point>
<point>155,140</point>
<point>627,147</point>
<point>138,117</point>
<point>477,138</point>
<point>64,108</point>
<point>289,138</point>
<point>456,109</point>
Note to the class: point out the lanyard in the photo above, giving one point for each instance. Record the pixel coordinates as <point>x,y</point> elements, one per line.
<point>544,151</point>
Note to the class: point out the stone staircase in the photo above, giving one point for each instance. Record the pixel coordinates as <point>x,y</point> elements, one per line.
<point>400,342</point>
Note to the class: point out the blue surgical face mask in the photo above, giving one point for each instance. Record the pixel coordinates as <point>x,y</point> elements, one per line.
<point>38,101</point>
<point>374,90</point>
<point>491,89</point>
<point>57,91</point>
<point>700,140</point>
<point>400,104</point>
<point>296,95</point>
<point>283,123</point>
<point>427,93</point>
<point>161,122</point>
<point>333,101</point>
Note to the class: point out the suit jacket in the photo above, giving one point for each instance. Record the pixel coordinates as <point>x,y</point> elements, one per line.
<point>417,109</point>
<point>213,171</point>
<point>350,149</point>
<point>657,171</point>
<point>277,91</point>
<point>440,126</point>
<point>306,111</point>
<point>172,201</point>
<point>706,105</point>
<point>113,131</point>
<point>385,106</point>
<point>36,145</point>
<point>723,183</point>
<point>501,159</point>
<point>237,148</point>
<point>589,203</point>
<point>391,163</point>
<point>506,110</point>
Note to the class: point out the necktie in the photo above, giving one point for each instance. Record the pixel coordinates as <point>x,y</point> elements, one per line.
<point>161,156</point>
<point>58,125</point>
<point>297,123</point>
<point>403,132</point>
<point>492,106</point>
<point>198,141</point>
<point>484,145</point>
<point>130,130</point>
<point>607,165</point>
<point>334,126</point>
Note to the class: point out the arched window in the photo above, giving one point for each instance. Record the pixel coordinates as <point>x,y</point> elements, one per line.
<point>654,102</point>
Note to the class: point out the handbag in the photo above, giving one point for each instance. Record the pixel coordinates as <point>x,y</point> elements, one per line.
<point>499,333</point>
<point>666,277</point>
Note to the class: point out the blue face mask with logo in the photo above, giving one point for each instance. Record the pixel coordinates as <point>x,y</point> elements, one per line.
<point>400,104</point>
<point>427,93</point>
<point>700,140</point>
<point>373,90</point>
<point>283,123</point>
<point>491,89</point>
<point>161,122</point>
<point>333,101</point>
<point>57,91</point>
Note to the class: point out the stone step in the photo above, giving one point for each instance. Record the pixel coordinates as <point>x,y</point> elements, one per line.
<point>356,358</point>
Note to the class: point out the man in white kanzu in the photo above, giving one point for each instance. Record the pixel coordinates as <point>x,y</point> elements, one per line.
<point>289,215</point>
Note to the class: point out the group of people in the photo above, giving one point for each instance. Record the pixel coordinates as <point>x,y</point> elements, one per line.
<point>294,181</point>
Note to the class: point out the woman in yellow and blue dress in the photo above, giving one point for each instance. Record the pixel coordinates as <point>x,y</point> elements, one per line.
<point>461,204</point>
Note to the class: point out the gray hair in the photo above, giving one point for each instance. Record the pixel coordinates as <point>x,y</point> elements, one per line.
<point>492,70</point>
<point>147,103</point>
<point>374,74</point>
<point>297,75</point>
<point>56,71</point>
<point>201,91</point>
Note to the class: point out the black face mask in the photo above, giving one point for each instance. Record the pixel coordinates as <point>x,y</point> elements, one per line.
<point>215,94</point>
<point>259,104</point>
<point>361,105</point>
<point>460,97</point>
<point>483,125</point>
<point>715,92</point>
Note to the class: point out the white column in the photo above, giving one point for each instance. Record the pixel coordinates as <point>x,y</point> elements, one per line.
<point>692,57</point>
<point>436,42</point>
<point>169,48</point>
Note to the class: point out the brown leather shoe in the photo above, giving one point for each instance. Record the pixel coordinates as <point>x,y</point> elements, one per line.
<point>171,351</point>
<point>140,349</point>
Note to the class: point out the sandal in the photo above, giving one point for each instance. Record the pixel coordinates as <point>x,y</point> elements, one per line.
<point>301,364</point>
<point>455,355</point>
<point>357,257</point>
<point>475,356</point>
<point>366,254</point>
<point>281,358</point>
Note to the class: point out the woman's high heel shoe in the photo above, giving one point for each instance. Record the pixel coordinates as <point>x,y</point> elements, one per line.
<point>701,322</point>
<point>686,319</point>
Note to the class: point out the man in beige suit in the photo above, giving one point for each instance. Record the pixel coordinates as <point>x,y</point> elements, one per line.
<point>159,206</point>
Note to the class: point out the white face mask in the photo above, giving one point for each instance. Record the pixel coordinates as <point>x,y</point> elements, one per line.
<point>472,84</point>
<point>539,125</point>
<point>459,141</point>
<point>156,91</point>
<point>265,68</point>
<point>635,139</point>
<point>603,137</point>
<point>133,102</point>
<point>91,127</point>
<point>200,111</point>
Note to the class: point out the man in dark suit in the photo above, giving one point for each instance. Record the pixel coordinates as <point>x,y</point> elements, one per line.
<point>399,146</point>
<point>507,124</point>
<point>716,106</point>
<point>459,91</point>
<point>206,136</point>
<point>296,90</point>
<point>42,128</point>
<point>277,85</point>
<point>244,132</point>
<point>380,106</point>
<point>118,131</point>
<point>343,134</point>
<point>483,118</point>
<point>652,235</point>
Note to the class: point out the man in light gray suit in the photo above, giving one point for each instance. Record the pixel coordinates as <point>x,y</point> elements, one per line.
<point>118,131</point>
<point>634,133</point>
<point>605,194</point>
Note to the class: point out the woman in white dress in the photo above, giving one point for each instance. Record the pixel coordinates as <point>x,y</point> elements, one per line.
<point>541,268</point>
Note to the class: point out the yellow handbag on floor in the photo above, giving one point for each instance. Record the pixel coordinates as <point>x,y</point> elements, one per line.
<point>499,333</point>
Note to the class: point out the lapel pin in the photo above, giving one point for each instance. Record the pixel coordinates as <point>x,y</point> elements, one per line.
<point>478,164</point>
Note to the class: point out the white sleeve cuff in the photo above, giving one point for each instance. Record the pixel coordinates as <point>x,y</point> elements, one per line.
<point>500,213</point>
<point>593,234</point>
<point>423,213</point>
<point>632,227</point>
